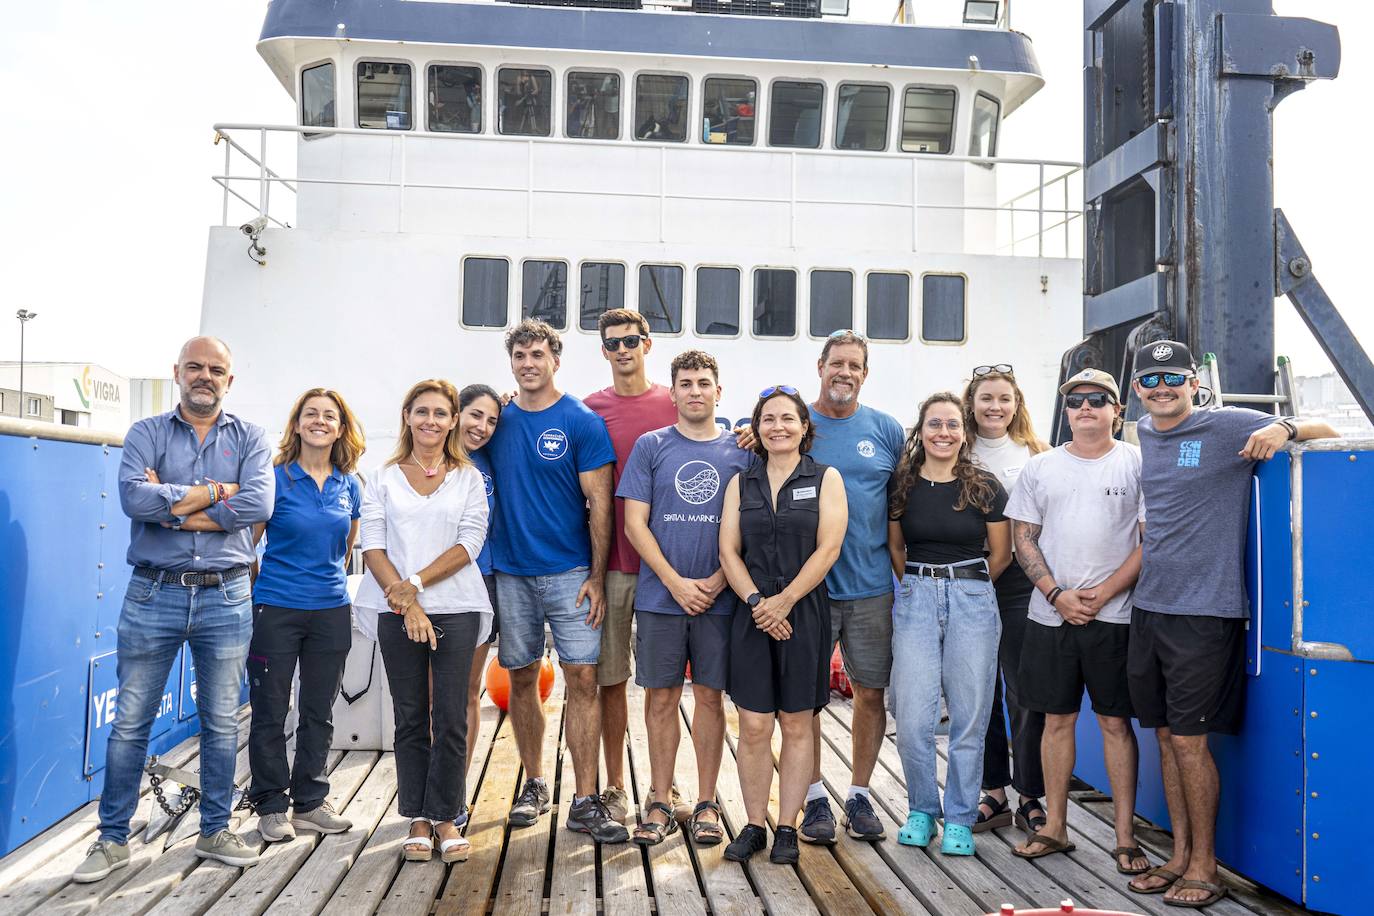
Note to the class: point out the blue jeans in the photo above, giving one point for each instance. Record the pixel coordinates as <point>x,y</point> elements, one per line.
<point>944,636</point>
<point>527,602</point>
<point>156,619</point>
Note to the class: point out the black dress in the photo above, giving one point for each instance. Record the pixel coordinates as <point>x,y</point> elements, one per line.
<point>791,675</point>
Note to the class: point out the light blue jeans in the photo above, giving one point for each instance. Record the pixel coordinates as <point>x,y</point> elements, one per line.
<point>944,637</point>
<point>157,618</point>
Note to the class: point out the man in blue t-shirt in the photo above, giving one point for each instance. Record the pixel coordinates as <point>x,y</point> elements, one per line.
<point>673,487</point>
<point>552,458</point>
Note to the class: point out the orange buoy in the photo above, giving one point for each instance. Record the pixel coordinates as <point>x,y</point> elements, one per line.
<point>498,682</point>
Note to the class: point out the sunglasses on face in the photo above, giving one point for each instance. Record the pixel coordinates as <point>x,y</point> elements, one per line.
<point>1003,368</point>
<point>631,342</point>
<point>1097,399</point>
<point>1170,379</point>
<point>785,389</point>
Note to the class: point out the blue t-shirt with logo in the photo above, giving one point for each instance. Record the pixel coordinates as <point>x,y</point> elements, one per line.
<point>541,512</point>
<point>307,540</point>
<point>683,481</point>
<point>483,465</point>
<point>865,448</point>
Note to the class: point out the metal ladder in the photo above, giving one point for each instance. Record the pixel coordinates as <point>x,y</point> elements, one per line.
<point>1283,403</point>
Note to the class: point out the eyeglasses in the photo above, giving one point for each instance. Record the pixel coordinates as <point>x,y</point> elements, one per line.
<point>1171,379</point>
<point>631,342</point>
<point>935,424</point>
<point>785,389</point>
<point>1097,399</point>
<point>1003,368</point>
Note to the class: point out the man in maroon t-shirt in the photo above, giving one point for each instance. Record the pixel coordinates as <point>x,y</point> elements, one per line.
<point>631,407</point>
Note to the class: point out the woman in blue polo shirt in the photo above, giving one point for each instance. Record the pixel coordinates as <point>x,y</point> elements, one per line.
<point>301,613</point>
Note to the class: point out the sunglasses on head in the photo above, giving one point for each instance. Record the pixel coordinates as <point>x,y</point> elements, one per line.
<point>784,389</point>
<point>631,342</point>
<point>1098,399</point>
<point>1170,379</point>
<point>1004,368</point>
<point>845,332</point>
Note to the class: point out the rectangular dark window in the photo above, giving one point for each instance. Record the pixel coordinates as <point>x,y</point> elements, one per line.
<point>602,289</point>
<point>986,112</point>
<point>861,116</point>
<point>794,114</point>
<point>832,301</point>
<point>927,120</point>
<point>889,317</point>
<point>942,307</point>
<point>455,99</point>
<point>594,106</point>
<point>718,301</point>
<point>384,96</point>
<point>660,297</point>
<point>728,111</point>
<point>661,108</point>
<point>317,96</point>
<point>485,288</point>
<point>524,100</point>
<point>544,291</point>
<point>775,302</point>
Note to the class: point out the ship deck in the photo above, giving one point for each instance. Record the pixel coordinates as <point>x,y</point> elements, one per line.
<point>547,869</point>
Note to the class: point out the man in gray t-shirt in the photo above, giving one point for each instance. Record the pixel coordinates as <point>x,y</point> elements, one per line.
<point>1186,663</point>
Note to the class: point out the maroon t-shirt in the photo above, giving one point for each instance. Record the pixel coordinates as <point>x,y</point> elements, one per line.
<point>628,418</point>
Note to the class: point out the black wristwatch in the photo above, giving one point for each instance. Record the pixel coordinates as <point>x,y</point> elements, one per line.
<point>754,599</point>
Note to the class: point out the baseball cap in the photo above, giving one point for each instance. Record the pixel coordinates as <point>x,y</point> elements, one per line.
<point>1096,377</point>
<point>1163,356</point>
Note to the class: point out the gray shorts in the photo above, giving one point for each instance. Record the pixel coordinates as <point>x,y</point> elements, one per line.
<point>863,628</point>
<point>666,643</point>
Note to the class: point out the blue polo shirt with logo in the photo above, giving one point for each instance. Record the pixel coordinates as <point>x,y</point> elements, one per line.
<point>541,512</point>
<point>483,465</point>
<point>307,540</point>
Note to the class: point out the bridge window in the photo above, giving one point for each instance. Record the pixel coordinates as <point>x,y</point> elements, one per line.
<point>384,96</point>
<point>717,301</point>
<point>661,108</point>
<point>928,120</point>
<point>775,302</point>
<point>525,102</point>
<point>544,292</point>
<point>660,297</point>
<point>861,116</point>
<point>728,111</point>
<point>602,289</point>
<point>317,96</point>
<point>888,312</point>
<point>986,111</point>
<point>485,288</point>
<point>794,114</point>
<point>455,99</point>
<point>832,301</point>
<point>943,308</point>
<point>594,106</point>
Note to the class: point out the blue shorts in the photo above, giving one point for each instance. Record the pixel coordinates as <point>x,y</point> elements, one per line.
<point>527,602</point>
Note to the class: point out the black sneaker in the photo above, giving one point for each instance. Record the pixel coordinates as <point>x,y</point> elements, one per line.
<point>784,846</point>
<point>860,820</point>
<point>748,841</point>
<point>591,816</point>
<point>532,801</point>
<point>818,823</point>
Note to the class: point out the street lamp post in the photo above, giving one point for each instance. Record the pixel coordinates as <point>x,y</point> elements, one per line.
<point>24,316</point>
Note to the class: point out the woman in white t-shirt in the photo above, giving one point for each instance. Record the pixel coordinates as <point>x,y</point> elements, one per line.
<point>424,519</point>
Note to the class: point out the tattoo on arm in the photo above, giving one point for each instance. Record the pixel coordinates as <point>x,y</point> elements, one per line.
<point>1027,538</point>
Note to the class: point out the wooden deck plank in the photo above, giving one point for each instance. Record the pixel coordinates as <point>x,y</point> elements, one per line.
<point>573,887</point>
<point>624,882</point>
<point>366,883</point>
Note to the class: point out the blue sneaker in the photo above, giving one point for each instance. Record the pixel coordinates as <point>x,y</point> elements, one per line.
<point>818,823</point>
<point>957,841</point>
<point>860,820</point>
<point>919,829</point>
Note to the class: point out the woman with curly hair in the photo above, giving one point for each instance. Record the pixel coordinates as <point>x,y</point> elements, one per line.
<point>945,626</point>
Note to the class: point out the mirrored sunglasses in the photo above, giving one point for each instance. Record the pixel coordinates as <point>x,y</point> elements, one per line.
<point>1170,379</point>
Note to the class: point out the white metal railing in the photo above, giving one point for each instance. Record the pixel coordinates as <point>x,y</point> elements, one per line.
<point>1052,177</point>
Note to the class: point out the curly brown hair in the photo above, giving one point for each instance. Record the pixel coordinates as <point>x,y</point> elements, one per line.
<point>977,487</point>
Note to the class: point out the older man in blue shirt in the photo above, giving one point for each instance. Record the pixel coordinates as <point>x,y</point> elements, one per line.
<point>193,482</point>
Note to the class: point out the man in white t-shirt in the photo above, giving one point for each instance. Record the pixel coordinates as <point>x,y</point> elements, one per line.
<point>1077,517</point>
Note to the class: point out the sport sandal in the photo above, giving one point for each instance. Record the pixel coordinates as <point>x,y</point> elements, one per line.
<point>651,833</point>
<point>706,833</point>
<point>918,831</point>
<point>1030,816</point>
<point>419,848</point>
<point>1000,816</point>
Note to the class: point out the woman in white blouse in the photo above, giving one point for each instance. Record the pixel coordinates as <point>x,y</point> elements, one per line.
<point>424,519</point>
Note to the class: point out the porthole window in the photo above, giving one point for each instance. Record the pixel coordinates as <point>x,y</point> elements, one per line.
<point>661,107</point>
<point>943,308</point>
<point>928,120</point>
<point>454,98</point>
<point>317,96</point>
<point>544,292</point>
<point>986,112</point>
<point>729,109</point>
<point>660,297</point>
<point>384,96</point>
<point>775,302</point>
<point>832,301</point>
<point>861,116</point>
<point>717,301</point>
<point>888,305</point>
<point>485,292</point>
<point>524,102</point>
<point>594,106</point>
<point>794,114</point>
<point>602,289</point>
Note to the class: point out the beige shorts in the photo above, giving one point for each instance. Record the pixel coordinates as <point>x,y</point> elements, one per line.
<point>614,665</point>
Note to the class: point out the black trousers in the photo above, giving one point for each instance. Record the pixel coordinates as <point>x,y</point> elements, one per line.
<point>282,638</point>
<point>431,726</point>
<point>1027,727</point>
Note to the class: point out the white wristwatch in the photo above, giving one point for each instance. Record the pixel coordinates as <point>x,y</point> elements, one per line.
<point>415,581</point>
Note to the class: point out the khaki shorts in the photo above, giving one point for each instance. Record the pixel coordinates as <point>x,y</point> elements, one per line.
<point>614,666</point>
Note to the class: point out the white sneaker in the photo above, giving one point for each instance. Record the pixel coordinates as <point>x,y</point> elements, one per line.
<point>276,827</point>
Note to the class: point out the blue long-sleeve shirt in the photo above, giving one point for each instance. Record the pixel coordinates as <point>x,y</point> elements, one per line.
<point>234,451</point>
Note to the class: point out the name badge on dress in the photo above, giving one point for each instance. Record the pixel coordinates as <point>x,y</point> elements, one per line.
<point>804,493</point>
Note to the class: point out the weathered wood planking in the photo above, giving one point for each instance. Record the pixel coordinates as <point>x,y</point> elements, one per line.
<point>572,889</point>
<point>624,887</point>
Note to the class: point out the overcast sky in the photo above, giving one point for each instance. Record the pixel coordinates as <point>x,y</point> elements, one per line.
<point>107,155</point>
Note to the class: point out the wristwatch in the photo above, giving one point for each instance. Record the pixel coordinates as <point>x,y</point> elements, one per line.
<point>754,599</point>
<point>415,581</point>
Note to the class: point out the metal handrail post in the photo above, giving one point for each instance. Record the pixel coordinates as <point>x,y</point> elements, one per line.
<point>1067,237</point>
<point>262,172</point>
<point>224,213</point>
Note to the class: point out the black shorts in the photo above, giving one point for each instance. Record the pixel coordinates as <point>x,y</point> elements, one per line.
<point>790,675</point>
<point>490,583</point>
<point>1058,662</point>
<point>666,643</point>
<point>1187,672</point>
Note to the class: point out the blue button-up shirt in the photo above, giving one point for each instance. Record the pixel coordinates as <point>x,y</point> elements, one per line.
<point>307,540</point>
<point>234,451</point>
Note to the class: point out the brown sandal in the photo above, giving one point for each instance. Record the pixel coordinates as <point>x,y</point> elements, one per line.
<point>1049,846</point>
<point>1130,852</point>
<point>651,833</point>
<point>706,833</point>
<point>1159,871</point>
<point>1214,893</point>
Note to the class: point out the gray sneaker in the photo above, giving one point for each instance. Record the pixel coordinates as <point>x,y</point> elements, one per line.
<point>321,820</point>
<point>227,847</point>
<point>617,803</point>
<point>276,827</point>
<point>103,857</point>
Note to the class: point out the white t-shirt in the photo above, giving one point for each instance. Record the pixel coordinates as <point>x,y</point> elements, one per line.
<point>1002,456</point>
<point>1089,511</point>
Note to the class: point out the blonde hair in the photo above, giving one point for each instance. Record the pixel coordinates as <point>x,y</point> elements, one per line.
<point>1020,429</point>
<point>348,448</point>
<point>453,445</point>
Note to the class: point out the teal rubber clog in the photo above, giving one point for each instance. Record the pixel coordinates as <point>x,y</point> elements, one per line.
<point>957,841</point>
<point>918,831</point>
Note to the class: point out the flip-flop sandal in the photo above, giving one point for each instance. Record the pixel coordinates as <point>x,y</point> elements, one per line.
<point>1030,816</point>
<point>1214,893</point>
<point>706,833</point>
<point>1159,871</point>
<point>651,833</point>
<point>423,854</point>
<point>1130,852</point>
<point>1048,846</point>
<point>1000,816</point>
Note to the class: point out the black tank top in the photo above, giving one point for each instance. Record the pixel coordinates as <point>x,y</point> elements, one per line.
<point>776,545</point>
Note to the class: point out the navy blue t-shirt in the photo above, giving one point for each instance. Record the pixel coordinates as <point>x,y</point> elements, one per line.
<point>307,540</point>
<point>483,465</point>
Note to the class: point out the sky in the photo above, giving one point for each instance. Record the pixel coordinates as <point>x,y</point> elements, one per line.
<point>108,151</point>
